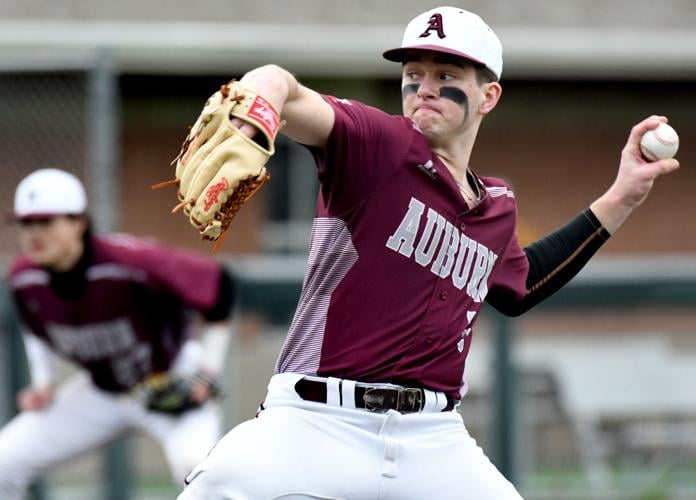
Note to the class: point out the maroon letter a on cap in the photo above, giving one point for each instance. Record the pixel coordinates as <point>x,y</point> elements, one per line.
<point>434,24</point>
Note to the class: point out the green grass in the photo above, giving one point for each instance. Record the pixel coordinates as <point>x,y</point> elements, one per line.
<point>663,481</point>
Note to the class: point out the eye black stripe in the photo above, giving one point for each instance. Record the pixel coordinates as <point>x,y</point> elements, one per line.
<point>454,94</point>
<point>411,88</point>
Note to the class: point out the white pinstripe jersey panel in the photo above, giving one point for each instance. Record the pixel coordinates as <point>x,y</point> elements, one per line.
<point>331,255</point>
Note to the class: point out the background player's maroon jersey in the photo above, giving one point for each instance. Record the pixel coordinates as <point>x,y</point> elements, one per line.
<point>399,266</point>
<point>122,313</point>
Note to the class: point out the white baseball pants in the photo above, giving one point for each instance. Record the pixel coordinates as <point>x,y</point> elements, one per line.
<point>296,449</point>
<point>83,418</point>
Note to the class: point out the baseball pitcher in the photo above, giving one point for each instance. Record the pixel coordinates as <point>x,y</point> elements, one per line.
<point>409,240</point>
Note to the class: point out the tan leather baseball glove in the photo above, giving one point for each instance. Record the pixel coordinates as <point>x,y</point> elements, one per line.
<point>219,168</point>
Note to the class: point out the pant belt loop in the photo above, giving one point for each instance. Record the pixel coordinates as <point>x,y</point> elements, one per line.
<point>434,401</point>
<point>348,392</point>
<point>333,391</point>
<point>430,401</point>
<point>441,401</point>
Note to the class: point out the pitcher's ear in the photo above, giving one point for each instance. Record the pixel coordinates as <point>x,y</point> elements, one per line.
<point>491,95</point>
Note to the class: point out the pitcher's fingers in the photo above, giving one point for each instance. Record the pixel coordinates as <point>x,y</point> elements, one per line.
<point>244,127</point>
<point>641,128</point>
<point>665,166</point>
<point>653,170</point>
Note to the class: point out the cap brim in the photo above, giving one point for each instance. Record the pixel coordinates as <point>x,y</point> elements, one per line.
<point>397,55</point>
<point>43,215</point>
<point>13,218</point>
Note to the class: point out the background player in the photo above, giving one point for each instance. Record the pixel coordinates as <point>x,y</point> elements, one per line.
<point>121,309</point>
<point>408,241</point>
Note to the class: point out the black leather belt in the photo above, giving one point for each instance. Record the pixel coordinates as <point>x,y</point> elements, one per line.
<point>376,398</point>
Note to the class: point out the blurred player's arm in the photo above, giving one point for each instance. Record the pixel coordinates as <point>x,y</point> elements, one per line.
<point>308,117</point>
<point>214,336</point>
<point>42,369</point>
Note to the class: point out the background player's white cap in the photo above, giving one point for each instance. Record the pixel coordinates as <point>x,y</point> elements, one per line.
<point>49,191</point>
<point>453,31</point>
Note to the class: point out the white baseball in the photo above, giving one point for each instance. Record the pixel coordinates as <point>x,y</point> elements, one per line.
<point>659,143</point>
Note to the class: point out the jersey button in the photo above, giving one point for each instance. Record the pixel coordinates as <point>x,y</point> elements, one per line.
<point>428,340</point>
<point>462,226</point>
<point>443,295</point>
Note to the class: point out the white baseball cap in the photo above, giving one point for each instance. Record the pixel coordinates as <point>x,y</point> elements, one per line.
<point>453,31</point>
<point>49,191</point>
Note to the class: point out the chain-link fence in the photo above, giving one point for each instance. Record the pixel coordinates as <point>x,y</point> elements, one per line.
<point>43,122</point>
<point>64,119</point>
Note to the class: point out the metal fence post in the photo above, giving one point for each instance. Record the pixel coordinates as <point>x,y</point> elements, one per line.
<point>504,397</point>
<point>103,181</point>
<point>103,117</point>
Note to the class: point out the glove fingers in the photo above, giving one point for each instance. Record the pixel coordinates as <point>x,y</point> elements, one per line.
<point>209,130</point>
<point>232,166</point>
<point>190,147</point>
<point>197,174</point>
<point>206,125</point>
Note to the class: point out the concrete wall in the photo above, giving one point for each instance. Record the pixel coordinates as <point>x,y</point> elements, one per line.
<point>539,36</point>
<point>646,14</point>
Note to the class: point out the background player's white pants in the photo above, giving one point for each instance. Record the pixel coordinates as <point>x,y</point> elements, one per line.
<point>82,418</point>
<point>301,450</point>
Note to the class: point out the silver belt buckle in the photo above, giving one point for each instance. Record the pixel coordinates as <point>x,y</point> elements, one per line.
<point>402,399</point>
<point>410,400</point>
<point>375,398</point>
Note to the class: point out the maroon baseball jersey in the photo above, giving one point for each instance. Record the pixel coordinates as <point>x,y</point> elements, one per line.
<point>130,314</point>
<point>398,266</point>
